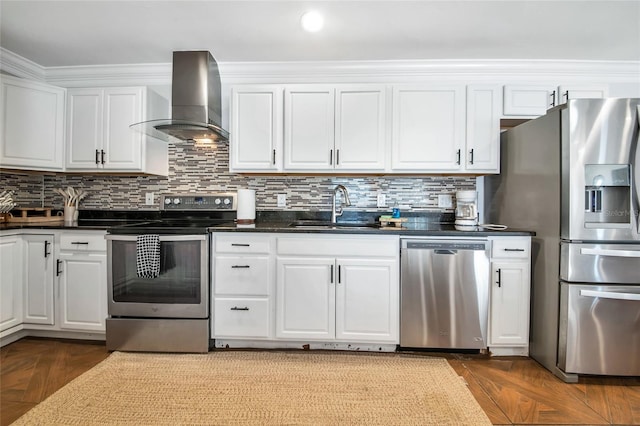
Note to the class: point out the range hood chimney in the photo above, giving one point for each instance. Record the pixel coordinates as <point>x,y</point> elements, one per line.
<point>196,101</point>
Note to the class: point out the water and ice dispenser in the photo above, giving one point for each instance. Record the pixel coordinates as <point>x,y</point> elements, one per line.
<point>607,194</point>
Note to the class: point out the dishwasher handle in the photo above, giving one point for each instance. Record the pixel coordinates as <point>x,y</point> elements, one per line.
<point>446,252</point>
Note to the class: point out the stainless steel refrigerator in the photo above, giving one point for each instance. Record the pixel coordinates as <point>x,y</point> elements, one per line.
<point>573,177</point>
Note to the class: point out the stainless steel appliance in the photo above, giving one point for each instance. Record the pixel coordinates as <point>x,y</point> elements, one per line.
<point>572,177</point>
<point>169,311</point>
<point>444,293</point>
<point>196,101</point>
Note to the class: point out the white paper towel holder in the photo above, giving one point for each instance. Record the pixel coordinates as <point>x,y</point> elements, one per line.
<point>246,213</point>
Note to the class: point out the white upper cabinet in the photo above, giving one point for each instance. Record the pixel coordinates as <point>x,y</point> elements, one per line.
<point>482,153</point>
<point>98,133</point>
<point>535,100</point>
<point>360,128</point>
<point>256,128</point>
<point>428,128</point>
<point>334,128</point>
<point>355,129</point>
<point>31,125</point>
<point>309,127</point>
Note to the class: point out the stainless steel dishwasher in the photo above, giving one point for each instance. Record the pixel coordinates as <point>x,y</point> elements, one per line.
<point>444,293</point>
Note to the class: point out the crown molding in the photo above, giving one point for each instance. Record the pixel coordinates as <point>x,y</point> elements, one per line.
<point>18,66</point>
<point>486,70</point>
<point>610,71</point>
<point>110,75</point>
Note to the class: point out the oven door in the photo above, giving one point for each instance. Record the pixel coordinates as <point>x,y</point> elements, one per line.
<point>181,290</point>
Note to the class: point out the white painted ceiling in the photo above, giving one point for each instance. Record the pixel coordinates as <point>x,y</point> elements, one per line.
<point>67,33</point>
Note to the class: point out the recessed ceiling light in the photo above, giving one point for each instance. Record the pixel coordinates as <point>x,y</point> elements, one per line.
<point>312,21</point>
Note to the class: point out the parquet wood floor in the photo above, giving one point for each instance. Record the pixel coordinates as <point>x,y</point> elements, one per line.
<point>512,391</point>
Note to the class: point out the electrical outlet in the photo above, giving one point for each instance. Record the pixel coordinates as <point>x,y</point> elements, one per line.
<point>382,200</point>
<point>282,200</point>
<point>445,201</point>
<point>149,198</point>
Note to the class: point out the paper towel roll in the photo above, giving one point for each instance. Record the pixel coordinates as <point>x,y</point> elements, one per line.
<point>246,206</point>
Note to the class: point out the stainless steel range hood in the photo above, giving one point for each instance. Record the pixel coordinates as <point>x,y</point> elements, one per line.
<point>196,101</point>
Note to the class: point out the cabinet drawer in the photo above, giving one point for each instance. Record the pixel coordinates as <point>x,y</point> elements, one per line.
<point>510,248</point>
<point>242,244</point>
<point>241,317</point>
<point>368,246</point>
<point>83,242</point>
<point>242,275</point>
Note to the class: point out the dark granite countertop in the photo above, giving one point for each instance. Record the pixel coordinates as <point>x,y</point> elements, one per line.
<point>418,224</point>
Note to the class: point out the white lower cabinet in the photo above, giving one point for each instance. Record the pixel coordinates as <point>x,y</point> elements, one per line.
<point>352,297</point>
<point>243,276</point>
<point>38,279</point>
<point>11,288</point>
<point>510,295</point>
<point>82,271</point>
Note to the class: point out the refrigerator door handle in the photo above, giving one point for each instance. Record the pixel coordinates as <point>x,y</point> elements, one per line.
<point>610,295</point>
<point>608,252</point>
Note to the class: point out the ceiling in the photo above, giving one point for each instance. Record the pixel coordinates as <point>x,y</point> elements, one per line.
<point>68,33</point>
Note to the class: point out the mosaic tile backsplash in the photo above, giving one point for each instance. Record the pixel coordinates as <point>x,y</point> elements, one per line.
<point>206,169</point>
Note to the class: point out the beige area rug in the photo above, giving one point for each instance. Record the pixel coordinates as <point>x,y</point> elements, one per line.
<point>263,388</point>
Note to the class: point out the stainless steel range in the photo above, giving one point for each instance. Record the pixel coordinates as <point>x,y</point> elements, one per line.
<point>159,276</point>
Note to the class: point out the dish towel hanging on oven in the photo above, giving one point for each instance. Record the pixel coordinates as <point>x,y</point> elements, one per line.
<point>148,256</point>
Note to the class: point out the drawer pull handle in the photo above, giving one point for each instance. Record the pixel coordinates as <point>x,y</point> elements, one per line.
<point>58,270</point>
<point>235,308</point>
<point>46,248</point>
<point>240,267</point>
<point>516,249</point>
<point>240,245</point>
<point>499,282</point>
<point>86,243</point>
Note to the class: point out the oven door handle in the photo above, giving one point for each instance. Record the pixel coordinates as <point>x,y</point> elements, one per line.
<point>610,295</point>
<point>162,237</point>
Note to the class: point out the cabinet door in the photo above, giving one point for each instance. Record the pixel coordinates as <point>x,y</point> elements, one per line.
<point>305,298</point>
<point>11,306</point>
<point>256,128</point>
<point>482,152</point>
<point>367,300</point>
<point>528,101</point>
<point>38,279</point>
<point>84,128</point>
<point>309,128</point>
<point>31,125</point>
<point>122,145</point>
<point>595,91</point>
<point>428,128</point>
<point>360,128</point>
<point>83,291</point>
<point>510,283</point>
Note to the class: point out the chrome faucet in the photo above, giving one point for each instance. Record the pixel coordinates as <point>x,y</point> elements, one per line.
<point>346,202</point>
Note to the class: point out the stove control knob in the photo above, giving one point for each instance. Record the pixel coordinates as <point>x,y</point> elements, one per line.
<point>227,201</point>
<point>176,201</point>
<point>167,201</point>
<point>217,201</point>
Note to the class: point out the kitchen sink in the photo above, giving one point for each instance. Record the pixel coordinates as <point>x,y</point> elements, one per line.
<point>322,224</point>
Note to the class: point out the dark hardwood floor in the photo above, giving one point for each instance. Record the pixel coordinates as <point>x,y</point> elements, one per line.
<point>512,391</point>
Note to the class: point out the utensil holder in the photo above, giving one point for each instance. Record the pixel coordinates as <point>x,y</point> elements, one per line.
<point>70,214</point>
